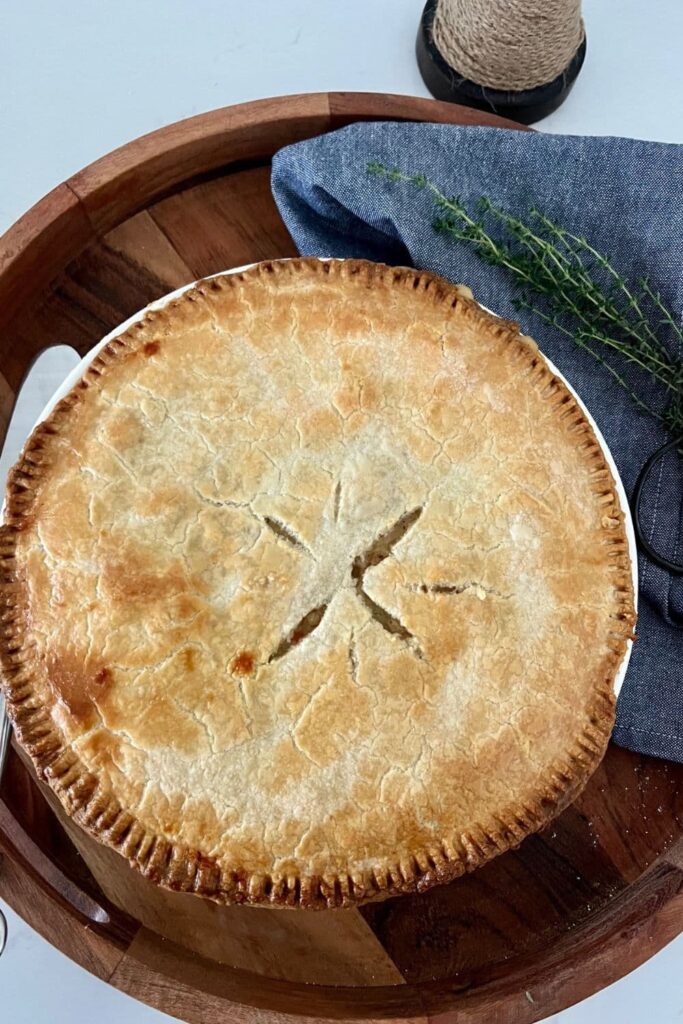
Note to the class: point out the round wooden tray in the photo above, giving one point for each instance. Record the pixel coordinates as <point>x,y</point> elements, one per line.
<point>536,930</point>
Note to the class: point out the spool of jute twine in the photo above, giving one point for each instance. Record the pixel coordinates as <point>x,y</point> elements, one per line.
<point>508,44</point>
<point>518,58</point>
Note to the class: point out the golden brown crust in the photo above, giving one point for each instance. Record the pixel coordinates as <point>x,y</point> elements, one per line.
<point>359,646</point>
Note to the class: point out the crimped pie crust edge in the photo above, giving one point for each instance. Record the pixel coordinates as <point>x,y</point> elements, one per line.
<point>180,868</point>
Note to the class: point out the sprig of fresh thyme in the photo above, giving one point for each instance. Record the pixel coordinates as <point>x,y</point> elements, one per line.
<point>583,295</point>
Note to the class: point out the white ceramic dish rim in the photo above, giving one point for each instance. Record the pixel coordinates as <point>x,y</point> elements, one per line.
<point>75,375</point>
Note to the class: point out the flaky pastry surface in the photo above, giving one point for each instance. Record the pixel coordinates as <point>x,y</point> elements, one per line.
<point>315,588</point>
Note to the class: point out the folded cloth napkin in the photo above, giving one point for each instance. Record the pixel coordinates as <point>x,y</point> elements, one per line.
<point>625,197</point>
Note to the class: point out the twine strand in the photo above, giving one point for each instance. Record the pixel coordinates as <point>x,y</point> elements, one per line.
<point>508,44</point>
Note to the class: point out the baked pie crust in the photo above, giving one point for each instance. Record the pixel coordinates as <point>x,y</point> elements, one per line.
<point>314,588</point>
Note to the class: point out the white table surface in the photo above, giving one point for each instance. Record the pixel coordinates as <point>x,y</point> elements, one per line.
<point>79,78</point>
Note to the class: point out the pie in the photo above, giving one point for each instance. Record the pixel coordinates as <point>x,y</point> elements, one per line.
<point>315,588</point>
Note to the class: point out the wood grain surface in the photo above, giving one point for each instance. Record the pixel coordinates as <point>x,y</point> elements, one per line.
<point>539,928</point>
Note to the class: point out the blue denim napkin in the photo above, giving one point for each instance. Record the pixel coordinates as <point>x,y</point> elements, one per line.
<point>626,197</point>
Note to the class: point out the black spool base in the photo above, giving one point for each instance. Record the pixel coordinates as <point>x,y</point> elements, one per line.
<point>525,106</point>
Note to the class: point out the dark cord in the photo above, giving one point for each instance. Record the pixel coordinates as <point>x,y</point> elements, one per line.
<point>665,563</point>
